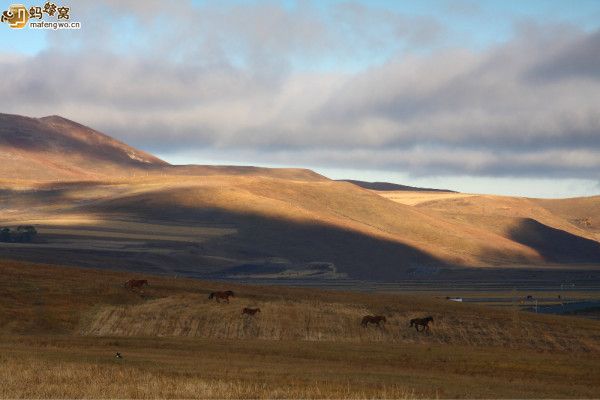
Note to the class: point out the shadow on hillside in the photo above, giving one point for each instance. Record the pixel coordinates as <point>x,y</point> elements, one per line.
<point>359,255</point>
<point>260,237</point>
<point>555,245</point>
<point>56,135</point>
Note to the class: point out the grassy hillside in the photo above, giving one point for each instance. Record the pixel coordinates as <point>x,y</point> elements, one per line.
<point>98,201</point>
<point>262,219</point>
<point>187,224</point>
<point>54,148</point>
<point>583,212</point>
<point>392,187</point>
<point>61,328</point>
<point>560,231</point>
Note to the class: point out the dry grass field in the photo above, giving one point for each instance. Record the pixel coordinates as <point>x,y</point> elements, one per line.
<point>558,229</point>
<point>411,198</point>
<point>201,224</point>
<point>105,207</point>
<point>60,328</point>
<point>99,201</point>
<point>569,215</point>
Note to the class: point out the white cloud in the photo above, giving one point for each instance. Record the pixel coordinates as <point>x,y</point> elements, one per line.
<point>230,78</point>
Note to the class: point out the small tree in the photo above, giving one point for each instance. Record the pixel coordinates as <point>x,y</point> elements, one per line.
<point>26,233</point>
<point>5,234</point>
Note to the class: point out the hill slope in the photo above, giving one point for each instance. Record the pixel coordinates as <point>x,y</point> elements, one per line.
<point>387,186</point>
<point>561,231</point>
<point>263,219</point>
<point>205,219</point>
<point>57,148</point>
<point>582,212</point>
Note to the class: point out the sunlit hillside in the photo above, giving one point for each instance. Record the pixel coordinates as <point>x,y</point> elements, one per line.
<point>98,202</point>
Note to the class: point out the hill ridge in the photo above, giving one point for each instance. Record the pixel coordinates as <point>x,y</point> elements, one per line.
<point>389,186</point>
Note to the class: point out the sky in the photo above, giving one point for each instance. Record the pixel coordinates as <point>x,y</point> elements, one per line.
<point>483,96</point>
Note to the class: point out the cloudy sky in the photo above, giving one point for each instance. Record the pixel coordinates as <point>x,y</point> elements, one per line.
<point>479,96</point>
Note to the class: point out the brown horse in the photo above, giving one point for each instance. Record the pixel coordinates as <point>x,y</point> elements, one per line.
<point>136,283</point>
<point>221,295</point>
<point>424,322</point>
<point>250,311</point>
<point>373,319</point>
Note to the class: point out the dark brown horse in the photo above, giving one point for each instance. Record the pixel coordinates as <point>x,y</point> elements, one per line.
<point>373,319</point>
<point>221,295</point>
<point>424,322</point>
<point>250,311</point>
<point>136,283</point>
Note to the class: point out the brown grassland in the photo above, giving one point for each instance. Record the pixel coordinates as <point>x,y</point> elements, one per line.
<point>578,216</point>
<point>175,224</point>
<point>60,328</point>
<point>98,203</point>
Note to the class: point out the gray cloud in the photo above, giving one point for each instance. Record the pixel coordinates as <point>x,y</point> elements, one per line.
<point>238,79</point>
<point>575,61</point>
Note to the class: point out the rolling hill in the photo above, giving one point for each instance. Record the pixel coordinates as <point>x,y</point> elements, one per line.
<point>83,191</point>
<point>563,230</point>
<point>390,187</point>
<point>55,148</point>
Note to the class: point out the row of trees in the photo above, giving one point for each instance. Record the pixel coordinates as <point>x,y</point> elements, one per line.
<point>23,233</point>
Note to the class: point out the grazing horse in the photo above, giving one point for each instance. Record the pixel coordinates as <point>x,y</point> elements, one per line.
<point>221,295</point>
<point>424,322</point>
<point>373,319</point>
<point>136,283</point>
<point>250,311</point>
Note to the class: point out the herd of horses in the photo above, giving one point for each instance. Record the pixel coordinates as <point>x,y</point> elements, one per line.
<point>420,324</point>
<point>380,320</point>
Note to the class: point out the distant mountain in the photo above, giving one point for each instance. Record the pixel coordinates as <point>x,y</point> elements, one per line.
<point>388,187</point>
<point>57,148</point>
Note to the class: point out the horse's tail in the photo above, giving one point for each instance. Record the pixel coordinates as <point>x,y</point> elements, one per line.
<point>412,322</point>
<point>210,296</point>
